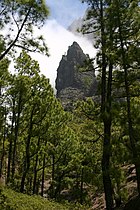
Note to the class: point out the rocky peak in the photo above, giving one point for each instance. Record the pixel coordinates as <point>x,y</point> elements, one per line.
<point>70,75</point>
<point>75,54</point>
<point>66,72</point>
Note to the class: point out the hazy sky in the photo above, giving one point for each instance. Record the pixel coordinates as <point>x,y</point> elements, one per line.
<point>65,11</point>
<point>62,14</point>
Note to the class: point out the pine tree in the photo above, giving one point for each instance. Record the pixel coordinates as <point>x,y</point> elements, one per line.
<point>20,17</point>
<point>100,21</point>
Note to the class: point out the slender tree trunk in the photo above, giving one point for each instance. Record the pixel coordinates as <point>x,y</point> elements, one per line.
<point>3,146</point>
<point>35,169</point>
<point>43,173</point>
<point>10,145</point>
<point>9,160</point>
<point>43,177</point>
<point>3,153</point>
<point>81,186</point>
<point>2,156</point>
<point>17,122</point>
<point>27,157</point>
<point>106,115</point>
<point>53,172</point>
<point>107,145</point>
<point>106,166</point>
<point>35,175</point>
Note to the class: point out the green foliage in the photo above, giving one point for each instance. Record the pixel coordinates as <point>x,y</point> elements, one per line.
<point>12,200</point>
<point>39,137</point>
<point>45,150</point>
<point>88,127</point>
<point>16,201</point>
<point>87,65</point>
<point>117,61</point>
<point>20,19</point>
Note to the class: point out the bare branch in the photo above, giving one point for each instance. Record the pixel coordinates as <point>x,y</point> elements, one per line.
<point>24,48</point>
<point>90,32</point>
<point>18,34</point>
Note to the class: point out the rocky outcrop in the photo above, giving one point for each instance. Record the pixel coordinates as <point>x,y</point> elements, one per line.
<point>74,79</point>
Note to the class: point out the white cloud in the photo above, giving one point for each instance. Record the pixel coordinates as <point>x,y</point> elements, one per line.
<point>65,11</point>
<point>58,39</point>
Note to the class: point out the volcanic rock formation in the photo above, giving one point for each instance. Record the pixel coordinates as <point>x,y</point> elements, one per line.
<point>75,80</point>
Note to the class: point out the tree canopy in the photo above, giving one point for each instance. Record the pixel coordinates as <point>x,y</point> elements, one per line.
<point>89,152</point>
<point>17,20</point>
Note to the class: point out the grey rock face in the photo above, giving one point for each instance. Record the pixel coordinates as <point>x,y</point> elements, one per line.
<point>73,80</point>
<point>68,67</point>
<point>69,96</point>
<point>70,73</point>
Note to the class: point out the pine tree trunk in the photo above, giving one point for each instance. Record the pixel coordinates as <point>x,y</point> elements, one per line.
<point>17,122</point>
<point>35,175</point>
<point>9,161</point>
<point>53,173</point>
<point>106,166</point>
<point>10,145</point>
<point>43,177</point>
<point>3,146</point>
<point>81,186</point>
<point>27,157</point>
<point>106,116</point>
<point>2,155</point>
<point>35,169</point>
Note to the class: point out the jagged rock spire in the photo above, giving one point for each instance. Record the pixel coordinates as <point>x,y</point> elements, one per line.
<point>68,66</point>
<point>70,77</point>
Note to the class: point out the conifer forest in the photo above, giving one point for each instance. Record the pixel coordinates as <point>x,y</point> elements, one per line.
<point>84,157</point>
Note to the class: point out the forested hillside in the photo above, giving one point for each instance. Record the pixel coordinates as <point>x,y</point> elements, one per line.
<point>89,155</point>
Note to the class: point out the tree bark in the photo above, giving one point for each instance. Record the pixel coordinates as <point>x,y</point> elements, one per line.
<point>35,169</point>
<point>43,177</point>
<point>81,186</point>
<point>3,145</point>
<point>27,156</point>
<point>10,145</point>
<point>17,122</point>
<point>106,116</point>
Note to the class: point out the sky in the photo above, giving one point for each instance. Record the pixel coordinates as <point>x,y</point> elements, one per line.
<point>58,38</point>
<point>65,11</point>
